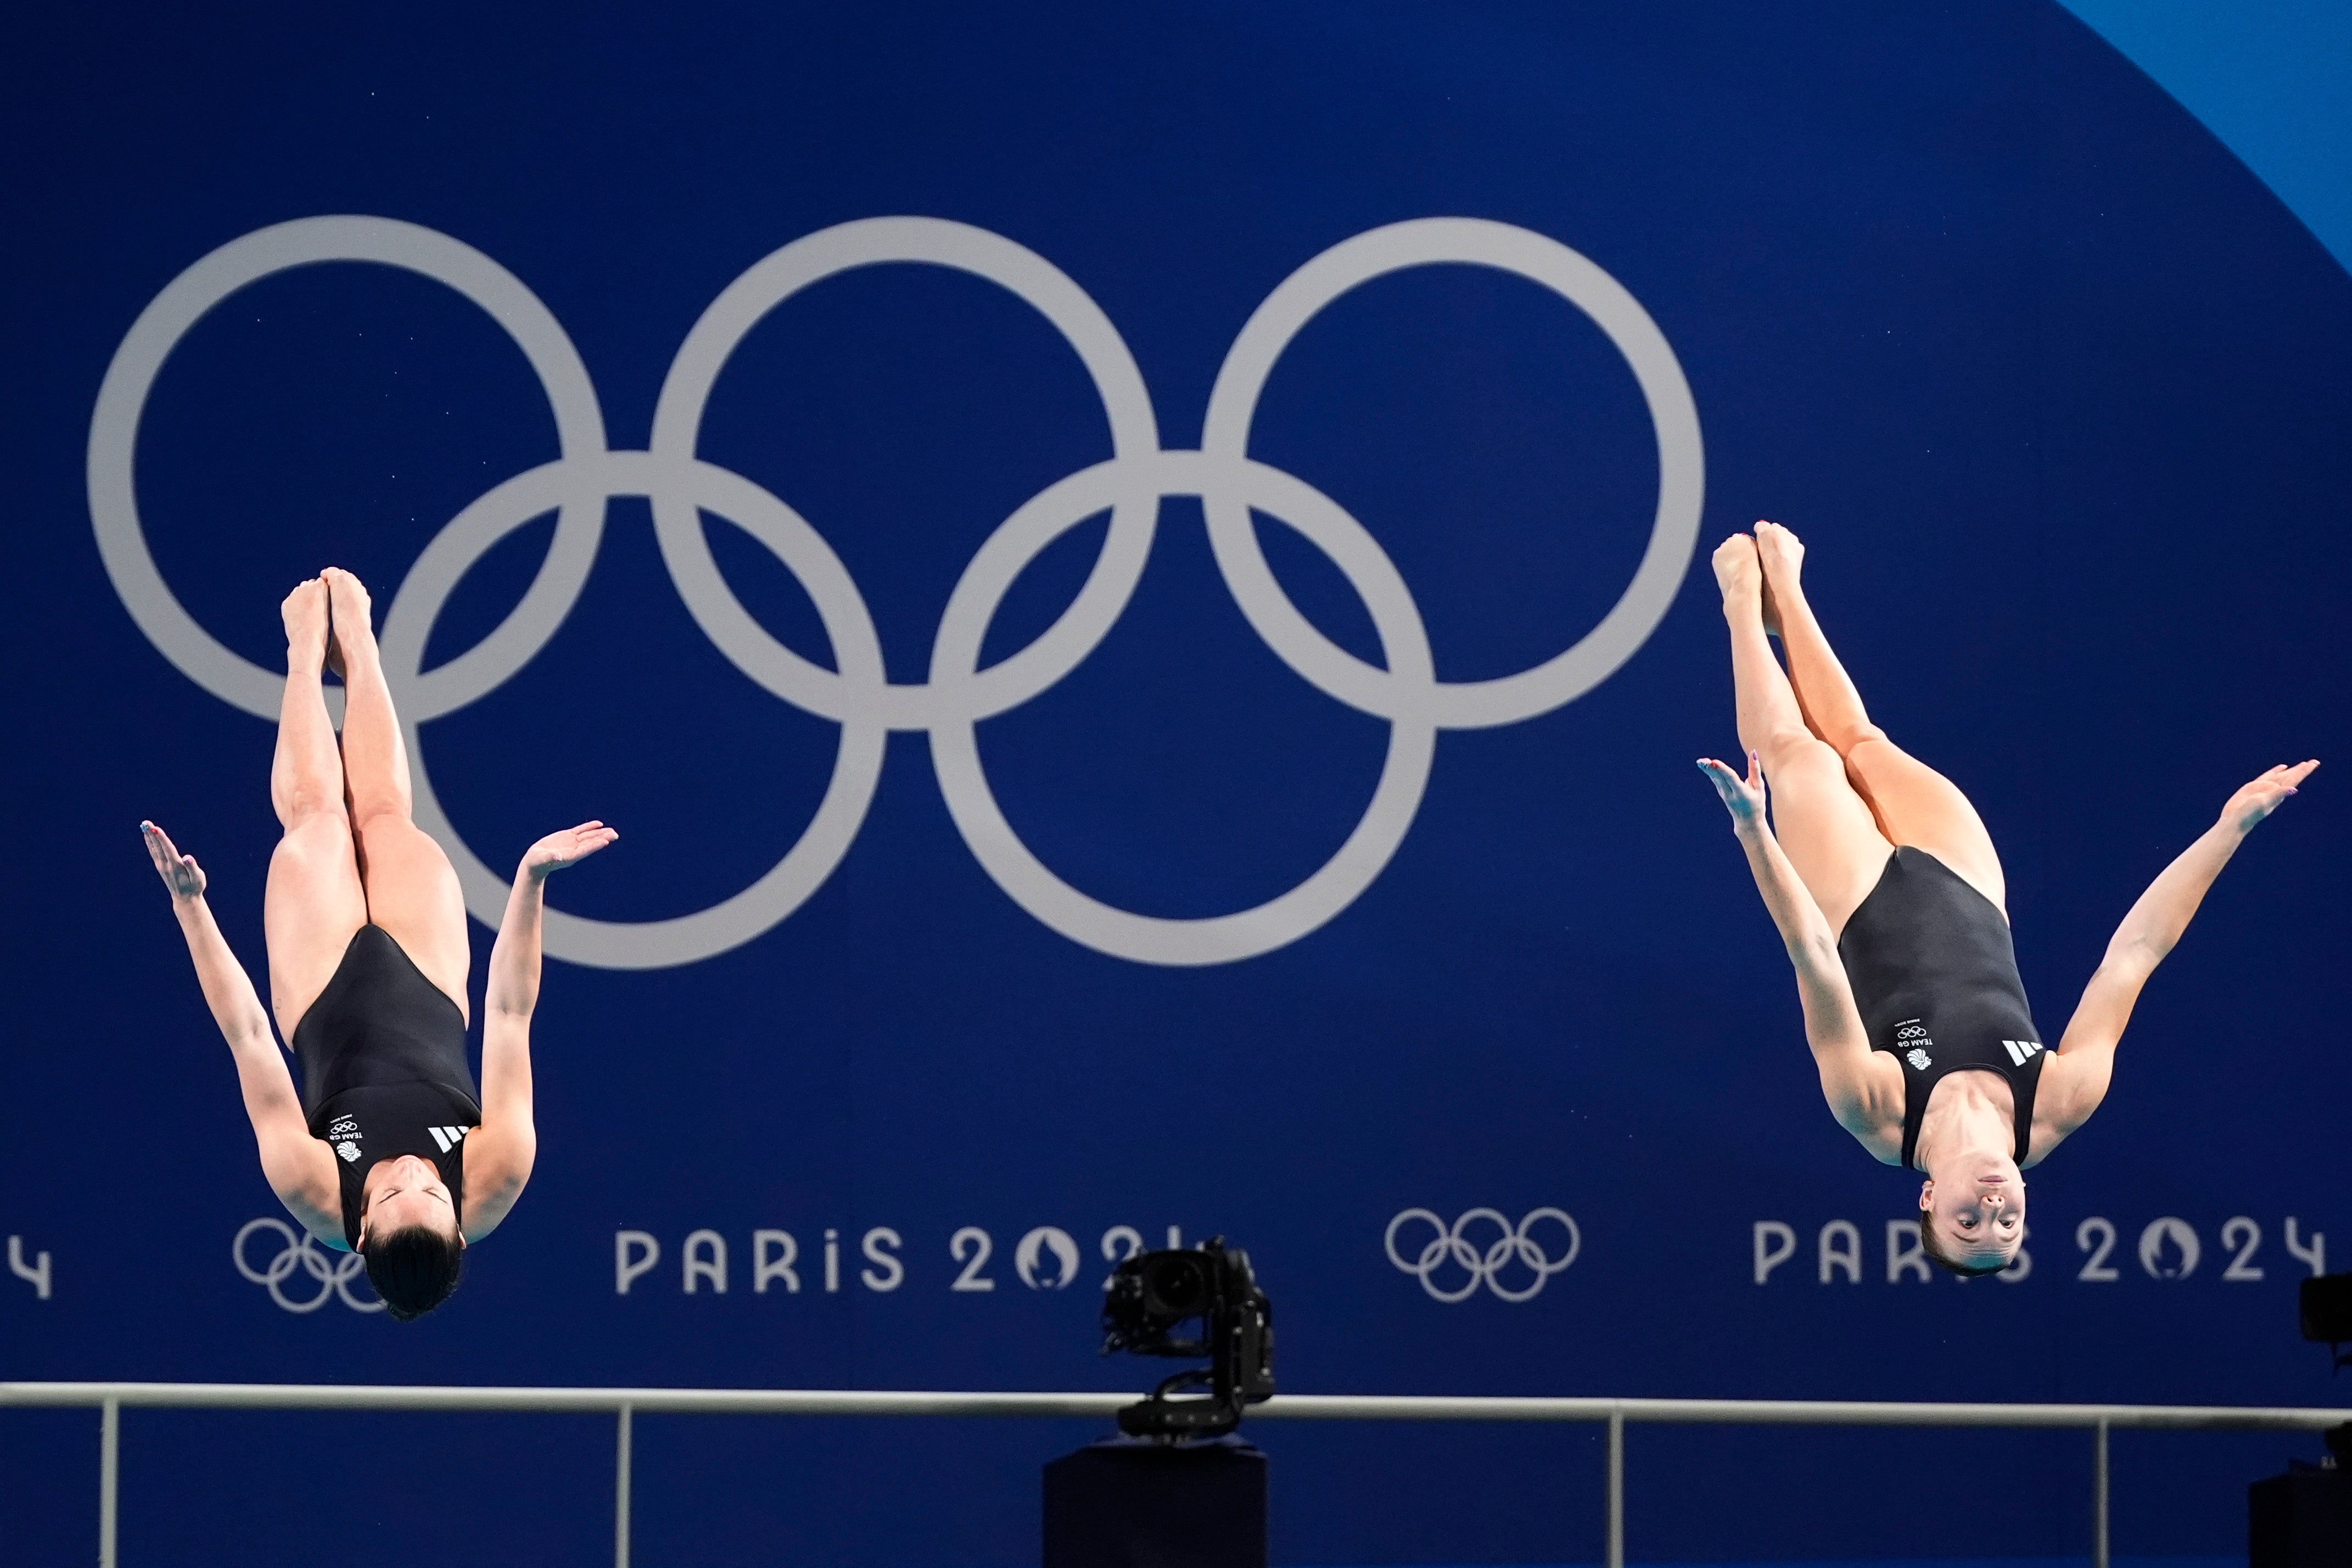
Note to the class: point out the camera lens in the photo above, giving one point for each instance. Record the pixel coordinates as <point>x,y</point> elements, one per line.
<point>1178,1287</point>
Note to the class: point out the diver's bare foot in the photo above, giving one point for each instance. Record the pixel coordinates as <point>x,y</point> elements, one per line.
<point>305,614</point>
<point>354,628</point>
<point>1739,575</point>
<point>1782,554</point>
<point>1783,557</point>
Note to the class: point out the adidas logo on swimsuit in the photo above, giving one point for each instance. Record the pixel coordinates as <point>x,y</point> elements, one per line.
<point>2021,1051</point>
<point>450,1137</point>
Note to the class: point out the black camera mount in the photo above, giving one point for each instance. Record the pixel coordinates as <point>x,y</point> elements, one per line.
<point>2325,1301</point>
<point>1151,1296</point>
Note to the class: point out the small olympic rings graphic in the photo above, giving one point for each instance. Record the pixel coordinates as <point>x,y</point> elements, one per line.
<point>857,694</point>
<point>334,1276</point>
<point>1452,1245</point>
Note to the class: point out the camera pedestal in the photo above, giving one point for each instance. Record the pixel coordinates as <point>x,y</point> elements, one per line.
<point>2300,1519</point>
<point>1128,1502</point>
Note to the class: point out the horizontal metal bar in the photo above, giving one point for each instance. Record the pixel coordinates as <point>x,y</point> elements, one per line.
<point>1795,1412</point>
<point>668,1401</point>
<point>1285,1406</point>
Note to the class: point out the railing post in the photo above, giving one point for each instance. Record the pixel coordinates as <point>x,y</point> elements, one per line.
<point>1616,1554</point>
<point>2099,1498</point>
<point>621,1497</point>
<point>110,1445</point>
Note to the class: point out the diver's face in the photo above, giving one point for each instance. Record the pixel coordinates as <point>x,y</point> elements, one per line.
<point>1979,1211</point>
<point>403,1191</point>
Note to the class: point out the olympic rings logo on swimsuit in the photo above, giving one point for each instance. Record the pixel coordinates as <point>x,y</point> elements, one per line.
<point>857,694</point>
<point>1482,1265</point>
<point>334,1275</point>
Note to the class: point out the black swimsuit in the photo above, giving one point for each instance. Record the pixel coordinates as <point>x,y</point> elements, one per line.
<point>384,1071</point>
<point>1935,977</point>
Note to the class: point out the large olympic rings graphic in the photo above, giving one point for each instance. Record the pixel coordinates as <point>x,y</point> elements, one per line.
<point>334,1275</point>
<point>858,695</point>
<point>1483,1265</point>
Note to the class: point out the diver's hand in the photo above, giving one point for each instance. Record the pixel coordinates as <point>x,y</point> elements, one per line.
<point>569,848</point>
<point>1744,798</point>
<point>2258,799</point>
<point>180,872</point>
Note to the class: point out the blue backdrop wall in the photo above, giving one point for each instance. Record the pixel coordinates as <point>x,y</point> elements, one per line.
<point>1254,898</point>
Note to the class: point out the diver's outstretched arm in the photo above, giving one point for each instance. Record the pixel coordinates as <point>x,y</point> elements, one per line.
<point>299,1168</point>
<point>2086,1054</point>
<point>1863,1093</point>
<point>499,1154</point>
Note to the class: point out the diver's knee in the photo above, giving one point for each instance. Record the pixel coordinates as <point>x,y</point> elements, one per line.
<point>1859,736</point>
<point>1793,746</point>
<point>381,813</point>
<point>308,811</point>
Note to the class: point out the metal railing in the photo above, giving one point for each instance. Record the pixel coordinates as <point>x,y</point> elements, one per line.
<point>1615,1414</point>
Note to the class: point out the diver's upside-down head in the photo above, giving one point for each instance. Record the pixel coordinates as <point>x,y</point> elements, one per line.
<point>1973,1221</point>
<point>410,1236</point>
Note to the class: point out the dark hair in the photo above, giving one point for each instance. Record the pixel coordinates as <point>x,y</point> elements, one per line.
<point>1964,1270</point>
<point>413,1269</point>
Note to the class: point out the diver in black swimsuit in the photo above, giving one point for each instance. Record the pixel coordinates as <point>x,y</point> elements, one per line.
<point>391,1150</point>
<point>1885,888</point>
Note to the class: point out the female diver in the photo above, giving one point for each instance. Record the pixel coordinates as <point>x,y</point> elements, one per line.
<point>1885,889</point>
<point>389,1152</point>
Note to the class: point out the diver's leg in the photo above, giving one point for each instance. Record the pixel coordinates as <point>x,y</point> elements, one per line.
<point>1913,803</point>
<point>1823,826</point>
<point>314,904</point>
<point>412,891</point>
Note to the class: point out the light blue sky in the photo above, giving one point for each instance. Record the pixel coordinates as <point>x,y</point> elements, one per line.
<point>2272,78</point>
